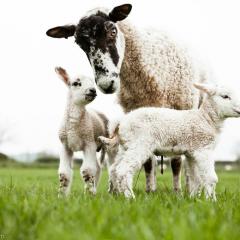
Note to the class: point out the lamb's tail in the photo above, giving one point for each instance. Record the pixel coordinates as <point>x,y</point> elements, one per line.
<point>109,142</point>
<point>113,140</point>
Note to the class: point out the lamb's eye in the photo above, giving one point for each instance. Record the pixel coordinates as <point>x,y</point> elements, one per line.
<point>75,84</point>
<point>225,97</point>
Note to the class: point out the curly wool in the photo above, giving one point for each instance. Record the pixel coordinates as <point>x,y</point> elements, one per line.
<point>167,132</point>
<point>81,127</point>
<point>156,72</point>
<point>164,131</point>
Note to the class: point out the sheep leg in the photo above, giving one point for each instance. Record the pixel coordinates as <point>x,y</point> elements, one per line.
<point>112,171</point>
<point>176,163</point>
<point>112,186</point>
<point>206,171</point>
<point>150,173</point>
<point>65,171</point>
<point>112,156</point>
<point>90,170</point>
<point>194,180</point>
<point>187,173</point>
<point>127,167</point>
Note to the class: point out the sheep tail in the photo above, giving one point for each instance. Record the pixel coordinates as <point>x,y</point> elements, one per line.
<point>111,142</point>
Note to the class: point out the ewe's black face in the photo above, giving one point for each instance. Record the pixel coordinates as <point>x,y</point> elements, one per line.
<point>99,37</point>
<point>104,45</point>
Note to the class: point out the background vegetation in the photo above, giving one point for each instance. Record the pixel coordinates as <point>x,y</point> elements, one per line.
<point>30,209</point>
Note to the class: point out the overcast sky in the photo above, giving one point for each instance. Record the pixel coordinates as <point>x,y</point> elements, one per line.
<point>32,98</point>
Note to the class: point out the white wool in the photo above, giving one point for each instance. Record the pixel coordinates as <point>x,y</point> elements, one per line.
<point>79,131</point>
<point>112,126</point>
<point>164,131</point>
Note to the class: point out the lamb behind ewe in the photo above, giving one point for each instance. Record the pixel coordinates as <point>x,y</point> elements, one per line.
<point>79,132</point>
<point>163,131</point>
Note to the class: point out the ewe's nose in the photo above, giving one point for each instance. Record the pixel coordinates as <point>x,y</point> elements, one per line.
<point>109,89</point>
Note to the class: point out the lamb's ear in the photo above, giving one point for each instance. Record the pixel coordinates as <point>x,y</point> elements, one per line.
<point>61,31</point>
<point>120,12</point>
<point>210,90</point>
<point>62,73</point>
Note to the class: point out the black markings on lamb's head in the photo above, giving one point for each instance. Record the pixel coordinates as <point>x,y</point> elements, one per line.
<point>100,38</point>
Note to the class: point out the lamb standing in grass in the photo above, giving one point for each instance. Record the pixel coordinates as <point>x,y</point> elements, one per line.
<point>163,131</point>
<point>79,132</point>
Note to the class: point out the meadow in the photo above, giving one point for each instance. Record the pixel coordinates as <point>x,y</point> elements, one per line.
<point>30,209</point>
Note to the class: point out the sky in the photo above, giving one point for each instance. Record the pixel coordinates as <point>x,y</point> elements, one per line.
<point>32,98</point>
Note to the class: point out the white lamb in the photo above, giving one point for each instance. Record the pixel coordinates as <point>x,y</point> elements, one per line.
<point>79,132</point>
<point>163,131</point>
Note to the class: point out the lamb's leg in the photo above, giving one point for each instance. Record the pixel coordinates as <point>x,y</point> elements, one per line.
<point>114,161</point>
<point>127,167</point>
<point>194,180</point>
<point>112,185</point>
<point>206,171</point>
<point>90,169</point>
<point>202,174</point>
<point>150,173</point>
<point>176,163</point>
<point>187,173</point>
<point>112,155</point>
<point>65,171</point>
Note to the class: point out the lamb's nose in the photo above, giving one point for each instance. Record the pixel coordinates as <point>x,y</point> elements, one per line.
<point>92,90</point>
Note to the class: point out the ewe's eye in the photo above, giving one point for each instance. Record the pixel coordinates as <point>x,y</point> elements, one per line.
<point>113,32</point>
<point>225,97</point>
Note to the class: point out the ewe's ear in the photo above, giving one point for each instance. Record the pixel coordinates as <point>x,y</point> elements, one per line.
<point>62,73</point>
<point>120,12</point>
<point>210,90</point>
<point>62,31</point>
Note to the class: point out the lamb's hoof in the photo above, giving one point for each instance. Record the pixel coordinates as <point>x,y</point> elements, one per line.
<point>113,191</point>
<point>111,188</point>
<point>129,194</point>
<point>124,187</point>
<point>64,184</point>
<point>151,189</point>
<point>90,190</point>
<point>64,181</point>
<point>178,191</point>
<point>211,197</point>
<point>89,180</point>
<point>61,194</point>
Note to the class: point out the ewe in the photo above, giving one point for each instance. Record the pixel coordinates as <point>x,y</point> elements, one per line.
<point>79,132</point>
<point>163,131</point>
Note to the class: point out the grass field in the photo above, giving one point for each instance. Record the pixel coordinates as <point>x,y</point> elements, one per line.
<point>30,209</point>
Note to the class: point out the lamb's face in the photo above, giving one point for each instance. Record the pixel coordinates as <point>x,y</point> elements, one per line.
<point>227,102</point>
<point>100,38</point>
<point>82,90</point>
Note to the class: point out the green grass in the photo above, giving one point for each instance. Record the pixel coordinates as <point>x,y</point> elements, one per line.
<point>30,209</point>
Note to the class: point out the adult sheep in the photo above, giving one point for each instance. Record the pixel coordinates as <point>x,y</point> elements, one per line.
<point>153,70</point>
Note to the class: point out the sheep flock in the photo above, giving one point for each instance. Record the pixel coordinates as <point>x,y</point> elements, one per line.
<point>172,107</point>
